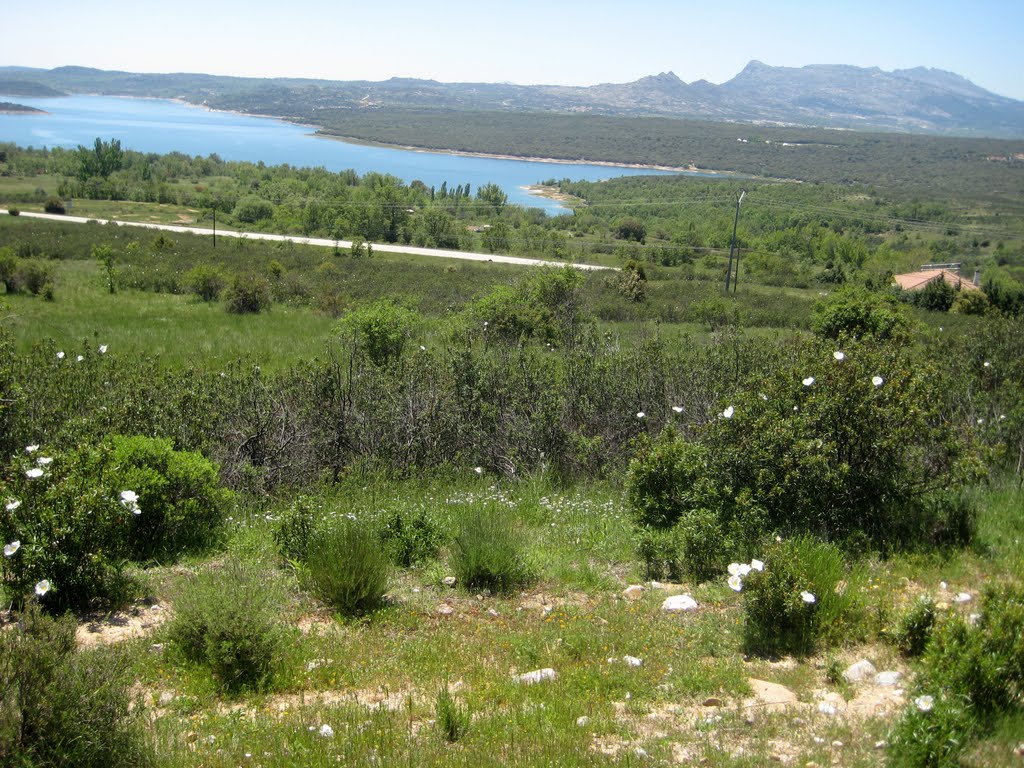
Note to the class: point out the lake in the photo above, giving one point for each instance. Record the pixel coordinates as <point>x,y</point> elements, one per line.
<point>158,125</point>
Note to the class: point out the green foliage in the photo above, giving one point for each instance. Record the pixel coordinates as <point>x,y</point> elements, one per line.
<point>545,306</point>
<point>59,707</point>
<point>915,628</point>
<point>102,160</point>
<point>804,597</point>
<point>974,675</point>
<point>54,205</point>
<point>380,330</point>
<point>206,281</point>
<point>72,528</point>
<point>230,619</point>
<point>937,296</point>
<point>9,269</point>
<point>411,537</point>
<point>668,480</point>
<point>854,313</point>
<point>488,552</point>
<point>34,276</point>
<point>251,209</point>
<point>346,566</point>
<point>451,718</point>
<point>248,294</point>
<point>970,303</point>
<point>178,492</point>
<point>295,527</point>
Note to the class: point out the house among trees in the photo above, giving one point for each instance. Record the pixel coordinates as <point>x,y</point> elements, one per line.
<point>932,273</point>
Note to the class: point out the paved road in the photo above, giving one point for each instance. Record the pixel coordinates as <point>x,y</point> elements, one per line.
<point>322,242</point>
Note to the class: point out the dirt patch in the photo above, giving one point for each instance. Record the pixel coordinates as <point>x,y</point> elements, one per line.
<point>117,627</point>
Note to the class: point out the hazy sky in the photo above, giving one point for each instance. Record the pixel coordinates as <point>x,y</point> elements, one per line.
<point>526,41</point>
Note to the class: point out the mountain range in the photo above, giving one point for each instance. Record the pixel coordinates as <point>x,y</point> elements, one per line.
<point>918,100</point>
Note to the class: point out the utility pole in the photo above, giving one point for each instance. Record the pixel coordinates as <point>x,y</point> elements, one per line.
<point>732,247</point>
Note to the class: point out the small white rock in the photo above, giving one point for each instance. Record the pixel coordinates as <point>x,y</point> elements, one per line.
<point>827,708</point>
<point>963,597</point>
<point>536,676</point>
<point>633,661</point>
<point>582,721</point>
<point>448,581</point>
<point>859,672</point>
<point>326,731</point>
<point>679,603</point>
<point>887,678</point>
<point>445,610</point>
<point>633,592</point>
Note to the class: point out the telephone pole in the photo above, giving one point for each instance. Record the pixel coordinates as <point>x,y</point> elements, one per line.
<point>732,247</point>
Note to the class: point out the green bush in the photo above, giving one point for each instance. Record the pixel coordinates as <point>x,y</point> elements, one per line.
<point>59,707</point>
<point>295,527</point>
<point>251,209</point>
<point>206,282</point>
<point>380,330</point>
<point>669,480</point>
<point>488,552</point>
<point>231,619</point>
<point>9,270</point>
<point>411,537</point>
<point>972,677</point>
<point>452,719</point>
<point>35,276</point>
<point>178,492</point>
<point>803,598</point>
<point>346,566</point>
<point>855,313</point>
<point>248,294</point>
<point>72,531</point>
<point>915,628</point>
<point>54,205</point>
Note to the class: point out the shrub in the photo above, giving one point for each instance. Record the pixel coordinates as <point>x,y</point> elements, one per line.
<point>54,205</point>
<point>452,719</point>
<point>72,530</point>
<point>248,294</point>
<point>346,566</point>
<point>13,211</point>
<point>668,480</point>
<point>410,537</point>
<point>251,209</point>
<point>856,313</point>
<point>915,628</point>
<point>803,597</point>
<point>488,552</point>
<point>206,282</point>
<point>970,303</point>
<point>973,676</point>
<point>295,528</point>
<point>34,276</point>
<point>230,620</point>
<point>9,270</point>
<point>59,707</point>
<point>380,330</point>
<point>178,492</point>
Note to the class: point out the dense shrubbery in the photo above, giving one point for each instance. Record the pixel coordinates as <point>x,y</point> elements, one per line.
<point>488,552</point>
<point>972,677</point>
<point>856,314</point>
<point>849,445</point>
<point>380,330</point>
<point>346,566</point>
<point>59,707</point>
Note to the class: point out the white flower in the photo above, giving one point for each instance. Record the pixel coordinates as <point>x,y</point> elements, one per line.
<point>12,505</point>
<point>640,414</point>
<point>678,408</point>
<point>10,549</point>
<point>728,412</point>
<point>103,349</point>
<point>924,703</point>
<point>44,461</point>
<point>422,348</point>
<point>808,597</point>
<point>129,497</point>
<point>764,397</point>
<point>326,731</point>
<point>839,355</point>
<point>735,582</point>
<point>79,359</point>
<point>31,448</point>
<point>988,364</point>
<point>42,587</point>
<point>744,569</point>
<point>877,380</point>
<point>757,565</point>
<point>808,381</point>
<point>33,473</point>
<point>734,569</point>
<point>478,470</point>
<point>60,355</point>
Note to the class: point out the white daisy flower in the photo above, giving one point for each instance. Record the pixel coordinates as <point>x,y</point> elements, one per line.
<point>808,597</point>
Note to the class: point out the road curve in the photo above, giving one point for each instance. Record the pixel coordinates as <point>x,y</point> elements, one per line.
<point>322,242</point>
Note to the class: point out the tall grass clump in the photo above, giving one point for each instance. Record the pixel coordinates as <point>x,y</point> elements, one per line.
<point>452,719</point>
<point>488,552</point>
<point>972,679</point>
<point>61,707</point>
<point>231,619</point>
<point>803,597</point>
<point>346,566</point>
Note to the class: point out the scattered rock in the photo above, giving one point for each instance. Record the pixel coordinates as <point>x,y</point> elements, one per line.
<point>859,672</point>
<point>881,744</point>
<point>837,744</point>
<point>1019,750</point>
<point>445,610</point>
<point>156,648</point>
<point>827,708</point>
<point>166,698</point>
<point>679,603</point>
<point>582,721</point>
<point>770,696</point>
<point>640,752</point>
<point>493,612</point>
<point>963,597</point>
<point>634,592</point>
<point>448,581</point>
<point>888,678</point>
<point>326,731</point>
<point>536,676</point>
<point>711,701</point>
<point>633,661</point>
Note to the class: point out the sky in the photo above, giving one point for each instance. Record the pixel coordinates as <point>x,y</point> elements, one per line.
<point>563,42</point>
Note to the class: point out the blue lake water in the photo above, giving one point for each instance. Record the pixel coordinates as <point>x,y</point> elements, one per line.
<point>157,125</point>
